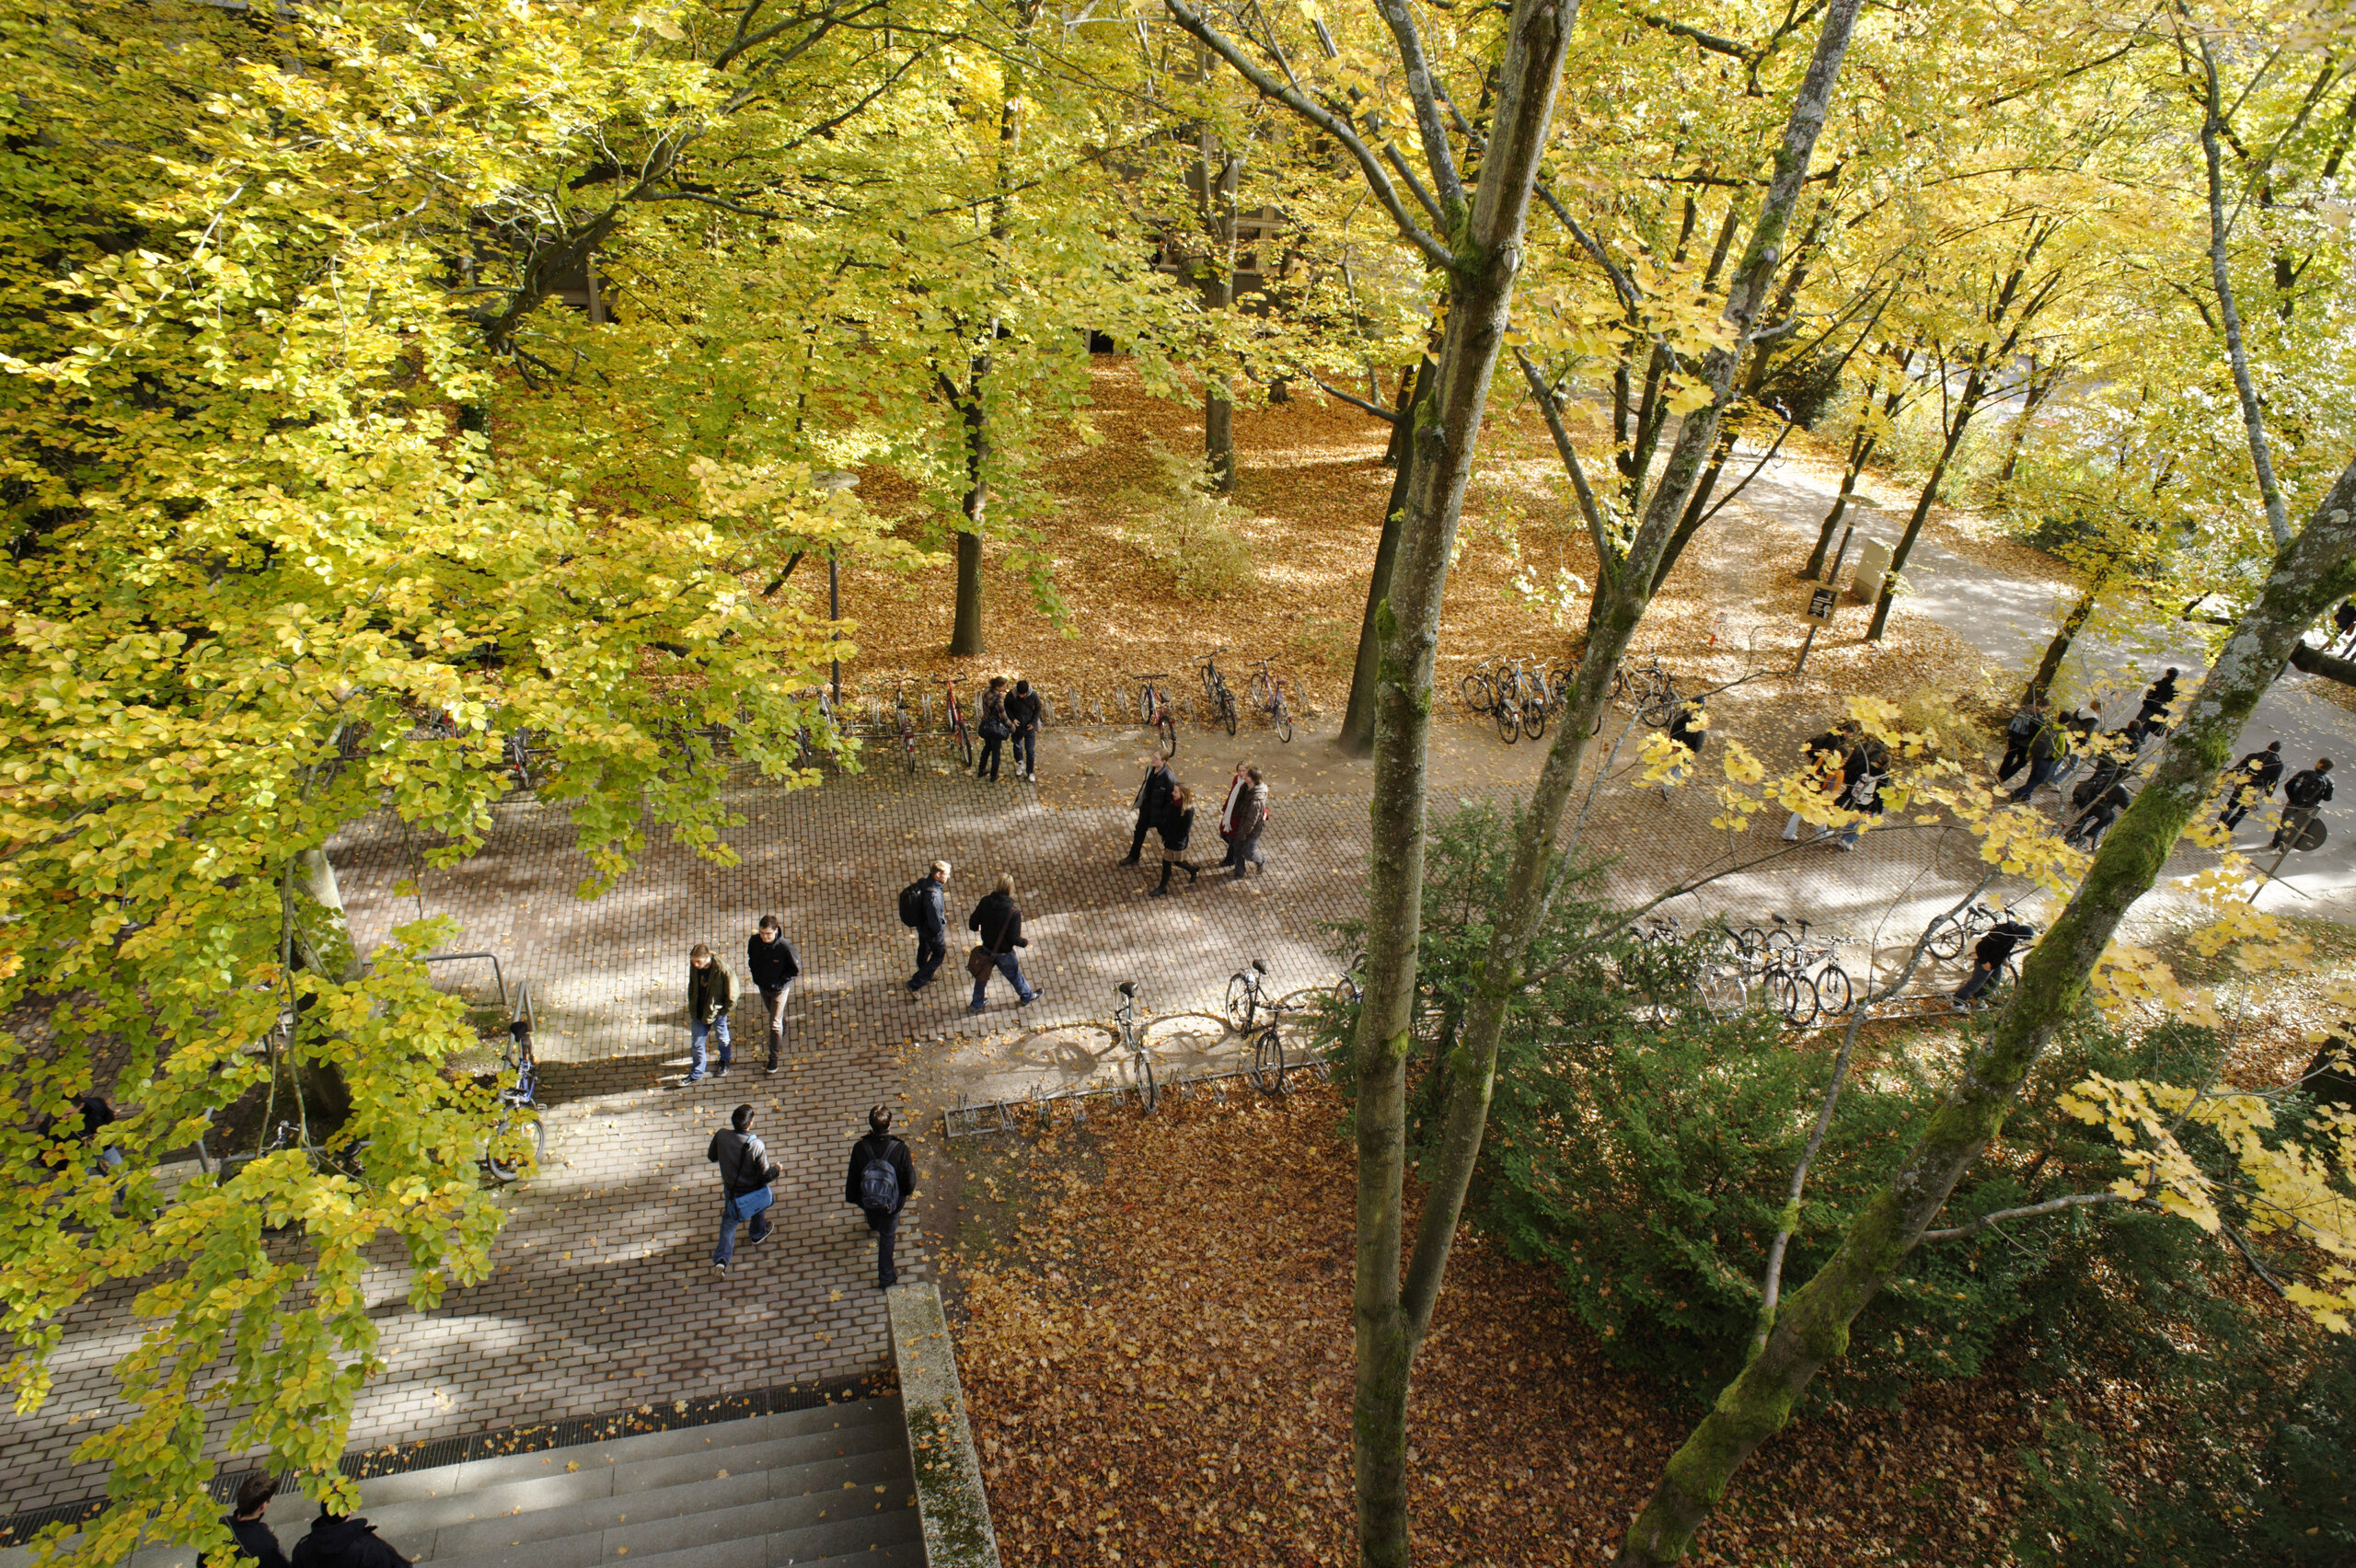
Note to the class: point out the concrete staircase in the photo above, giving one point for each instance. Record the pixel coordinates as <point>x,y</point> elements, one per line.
<point>828,1487</point>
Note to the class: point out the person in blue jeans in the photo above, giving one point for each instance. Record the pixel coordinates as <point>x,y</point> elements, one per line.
<point>998,924</point>
<point>882,1181</point>
<point>746,1173</point>
<point>711,993</point>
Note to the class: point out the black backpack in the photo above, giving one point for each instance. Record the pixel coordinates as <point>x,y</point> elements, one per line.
<point>879,1184</point>
<point>912,903</point>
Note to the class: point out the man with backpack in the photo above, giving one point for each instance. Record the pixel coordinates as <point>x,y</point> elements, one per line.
<point>882,1181</point>
<point>1988,957</point>
<point>745,1172</point>
<point>255,1539</point>
<point>1024,711</point>
<point>2028,721</point>
<point>347,1542</point>
<point>2087,831</point>
<point>2301,798</point>
<point>2254,780</point>
<point>924,908</point>
<point>2042,747</point>
<point>2158,700</point>
<point>771,960</point>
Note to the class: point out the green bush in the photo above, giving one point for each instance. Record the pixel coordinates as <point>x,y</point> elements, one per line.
<point>1188,533</point>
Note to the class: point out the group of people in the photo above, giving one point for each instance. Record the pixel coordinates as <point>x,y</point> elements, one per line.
<point>1010,715</point>
<point>2053,746</point>
<point>881,1182</point>
<point>996,920</point>
<point>348,1541</point>
<point>1166,808</point>
<point>1850,765</point>
<point>773,966</point>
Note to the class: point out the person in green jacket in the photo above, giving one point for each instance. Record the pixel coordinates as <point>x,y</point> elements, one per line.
<point>709,995</point>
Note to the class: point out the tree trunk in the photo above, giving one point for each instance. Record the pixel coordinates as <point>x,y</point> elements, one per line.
<point>1357,723</point>
<point>1218,294</point>
<point>1861,451</point>
<point>1813,1325</point>
<point>965,634</point>
<point>1623,592</point>
<point>2049,667</point>
<point>1395,452</point>
<point>1973,389</point>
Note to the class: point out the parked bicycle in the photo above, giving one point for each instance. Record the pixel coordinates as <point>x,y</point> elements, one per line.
<point>953,717</point>
<point>1952,935</point>
<point>519,1109</point>
<point>1648,690</point>
<point>1268,1052</point>
<point>1153,711</point>
<point>1247,997</point>
<point>1523,700</point>
<point>906,721</point>
<point>1129,1035</point>
<point>1219,701</point>
<point>1268,698</point>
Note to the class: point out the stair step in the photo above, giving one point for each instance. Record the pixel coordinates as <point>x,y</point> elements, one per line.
<point>477,1474</point>
<point>848,1535</point>
<point>628,1483</point>
<point>753,1503</point>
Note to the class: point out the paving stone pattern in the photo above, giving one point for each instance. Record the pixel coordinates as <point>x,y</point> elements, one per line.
<point>603,1297</point>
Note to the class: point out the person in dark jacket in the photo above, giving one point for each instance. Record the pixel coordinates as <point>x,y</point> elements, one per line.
<point>2158,700</point>
<point>1153,800</point>
<point>2095,820</point>
<point>348,1542</point>
<point>1868,770</point>
<point>933,927</point>
<point>2343,624</point>
<point>1022,711</point>
<point>1988,957</point>
<point>1823,756</point>
<point>999,925</point>
<point>1177,825</point>
<point>1689,727</point>
<point>774,966</point>
<point>879,1147</point>
<point>996,729</point>
<point>745,1172</point>
<point>2042,749</point>
<point>2077,731</point>
<point>255,1539</point>
<point>711,993</point>
<point>2253,779</point>
<point>2302,797</point>
<point>1251,821</point>
<point>2027,721</point>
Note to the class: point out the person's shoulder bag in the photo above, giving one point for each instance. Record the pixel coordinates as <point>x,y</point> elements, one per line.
<point>982,959</point>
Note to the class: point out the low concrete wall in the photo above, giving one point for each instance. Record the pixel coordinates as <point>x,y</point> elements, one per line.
<point>950,1499</point>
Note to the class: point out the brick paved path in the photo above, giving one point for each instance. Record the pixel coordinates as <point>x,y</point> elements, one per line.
<point>604,1296</point>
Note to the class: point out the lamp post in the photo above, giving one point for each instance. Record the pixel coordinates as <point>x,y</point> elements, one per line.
<point>835,481</point>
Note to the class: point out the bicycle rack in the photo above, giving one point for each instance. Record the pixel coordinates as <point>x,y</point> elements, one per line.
<point>431,958</point>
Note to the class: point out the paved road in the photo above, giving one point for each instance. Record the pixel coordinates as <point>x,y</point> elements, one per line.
<point>2010,619</point>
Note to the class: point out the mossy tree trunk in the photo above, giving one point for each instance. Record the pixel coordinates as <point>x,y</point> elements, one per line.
<point>1812,1327</point>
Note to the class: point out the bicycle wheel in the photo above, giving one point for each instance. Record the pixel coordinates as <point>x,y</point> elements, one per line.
<point>1533,714</point>
<point>1147,705</point>
<point>1169,734</point>
<point>1722,991</point>
<point>1507,713</point>
<point>1226,708</point>
<point>1833,992</point>
<point>1262,699</point>
<point>1474,689</point>
<point>1149,1094</point>
<point>1947,941</point>
<point>1242,1002</point>
<point>1750,942</point>
<point>508,1170</point>
<point>1781,939</point>
<point>962,740</point>
<point>1661,706</point>
<point>1794,996</point>
<point>1268,1062</point>
<point>1284,722</point>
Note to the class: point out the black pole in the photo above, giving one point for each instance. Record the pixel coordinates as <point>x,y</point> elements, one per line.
<point>835,612</point>
<point>1805,643</point>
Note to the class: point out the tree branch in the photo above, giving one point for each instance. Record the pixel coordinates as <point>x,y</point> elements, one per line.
<point>2051,1205</point>
<point>1607,559</point>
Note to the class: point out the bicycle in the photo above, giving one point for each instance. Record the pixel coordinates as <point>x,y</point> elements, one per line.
<point>1478,688</point>
<point>1268,698</point>
<point>518,748</point>
<point>1649,691</point>
<point>1219,699</point>
<point>1154,711</point>
<point>1246,996</point>
<point>1950,935</point>
<point>517,1097</point>
<point>1268,1054</point>
<point>953,717</point>
<point>1129,1036</point>
<point>906,722</point>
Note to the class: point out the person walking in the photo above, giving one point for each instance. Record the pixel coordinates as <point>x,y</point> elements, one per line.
<point>745,1172</point>
<point>255,1539</point>
<point>882,1181</point>
<point>2042,749</point>
<point>2092,823</point>
<point>1176,827</point>
<point>2158,700</point>
<point>1822,755</point>
<point>1153,798</point>
<point>2077,730</point>
<point>2302,797</point>
<point>1689,727</point>
<point>999,925</point>
<point>711,992</point>
<point>1251,821</point>
<point>348,1542</point>
<point>1871,761</point>
<point>995,728</point>
<point>2253,779</point>
<point>2027,721</point>
<point>1022,711</point>
<point>924,906</point>
<point>1988,958</point>
<point>774,966</point>
<point>2343,622</point>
